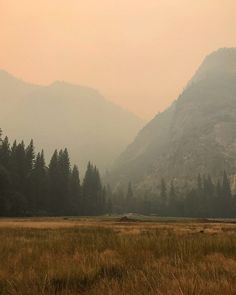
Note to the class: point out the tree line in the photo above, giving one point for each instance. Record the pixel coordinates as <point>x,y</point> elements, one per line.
<point>28,187</point>
<point>205,198</point>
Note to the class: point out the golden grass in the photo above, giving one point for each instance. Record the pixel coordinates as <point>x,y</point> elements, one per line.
<point>92,256</point>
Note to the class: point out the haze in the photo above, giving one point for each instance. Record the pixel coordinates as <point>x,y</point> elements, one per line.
<point>139,54</point>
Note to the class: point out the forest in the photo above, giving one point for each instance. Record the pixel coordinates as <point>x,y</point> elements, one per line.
<point>204,198</point>
<point>30,187</point>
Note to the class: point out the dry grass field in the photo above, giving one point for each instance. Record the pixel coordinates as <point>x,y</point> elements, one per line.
<point>95,256</point>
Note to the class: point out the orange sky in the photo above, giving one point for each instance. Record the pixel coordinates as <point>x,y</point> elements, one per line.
<point>138,53</point>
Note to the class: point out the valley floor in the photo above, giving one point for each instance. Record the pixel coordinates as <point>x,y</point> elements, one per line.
<point>117,256</point>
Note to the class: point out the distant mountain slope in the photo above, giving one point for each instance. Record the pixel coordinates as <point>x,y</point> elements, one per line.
<point>63,114</point>
<point>12,91</point>
<point>197,134</point>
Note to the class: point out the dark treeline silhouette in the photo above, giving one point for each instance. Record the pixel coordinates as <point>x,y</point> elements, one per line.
<point>30,188</point>
<point>205,199</point>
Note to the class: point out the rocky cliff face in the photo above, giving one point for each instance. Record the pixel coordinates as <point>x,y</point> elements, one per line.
<point>196,134</point>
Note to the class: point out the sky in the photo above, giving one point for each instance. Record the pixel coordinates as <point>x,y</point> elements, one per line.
<point>137,53</point>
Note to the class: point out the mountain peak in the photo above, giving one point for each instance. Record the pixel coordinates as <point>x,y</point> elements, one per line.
<point>64,112</point>
<point>195,135</point>
<point>219,62</point>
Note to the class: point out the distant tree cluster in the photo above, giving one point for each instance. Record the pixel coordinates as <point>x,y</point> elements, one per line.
<point>205,199</point>
<point>30,188</point>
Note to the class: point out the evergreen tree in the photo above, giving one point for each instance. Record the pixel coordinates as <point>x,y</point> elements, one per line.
<point>226,198</point>
<point>218,189</point>
<point>199,183</point>
<point>64,173</point>
<point>75,191</point>
<point>226,190</point>
<point>99,193</point>
<point>130,197</point>
<point>172,193</point>
<point>163,195</point>
<point>109,205</point>
<point>88,202</point>
<point>172,199</point>
<point>4,190</point>
<point>54,186</point>
<point>5,152</point>
<point>39,186</point>
<point>93,203</point>
<point>29,158</point>
<point>103,201</point>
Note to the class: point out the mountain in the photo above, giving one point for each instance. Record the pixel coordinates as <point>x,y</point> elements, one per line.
<point>12,90</point>
<point>196,134</point>
<point>66,115</point>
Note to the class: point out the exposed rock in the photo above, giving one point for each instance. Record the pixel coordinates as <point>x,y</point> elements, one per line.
<point>196,134</point>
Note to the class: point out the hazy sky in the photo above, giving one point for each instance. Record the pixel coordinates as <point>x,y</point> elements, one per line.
<point>138,53</point>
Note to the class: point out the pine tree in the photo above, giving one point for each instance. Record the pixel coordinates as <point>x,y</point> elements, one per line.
<point>75,191</point>
<point>64,173</point>
<point>172,199</point>
<point>172,194</point>
<point>64,164</point>
<point>39,186</point>
<point>129,198</point>
<point>218,189</point>
<point>92,192</point>
<point>200,190</point>
<point>29,157</point>
<point>109,204</point>
<point>5,187</point>
<point>99,194</point>
<point>5,152</point>
<point>163,196</point>
<point>18,170</point>
<point>226,199</point>
<point>103,201</point>
<point>226,190</point>
<point>54,187</point>
<point>87,202</point>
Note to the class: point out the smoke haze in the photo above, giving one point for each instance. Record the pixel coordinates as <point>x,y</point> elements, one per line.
<point>139,54</point>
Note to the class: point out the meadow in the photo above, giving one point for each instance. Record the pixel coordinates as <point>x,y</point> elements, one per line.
<point>115,256</point>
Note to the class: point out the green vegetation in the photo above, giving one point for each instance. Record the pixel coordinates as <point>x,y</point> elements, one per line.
<point>108,257</point>
<point>204,198</point>
<point>29,188</point>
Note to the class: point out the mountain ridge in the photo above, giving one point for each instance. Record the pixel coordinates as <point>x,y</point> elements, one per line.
<point>64,114</point>
<point>194,135</point>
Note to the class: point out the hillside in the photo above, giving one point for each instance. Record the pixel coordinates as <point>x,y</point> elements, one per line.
<point>196,134</point>
<point>62,114</point>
